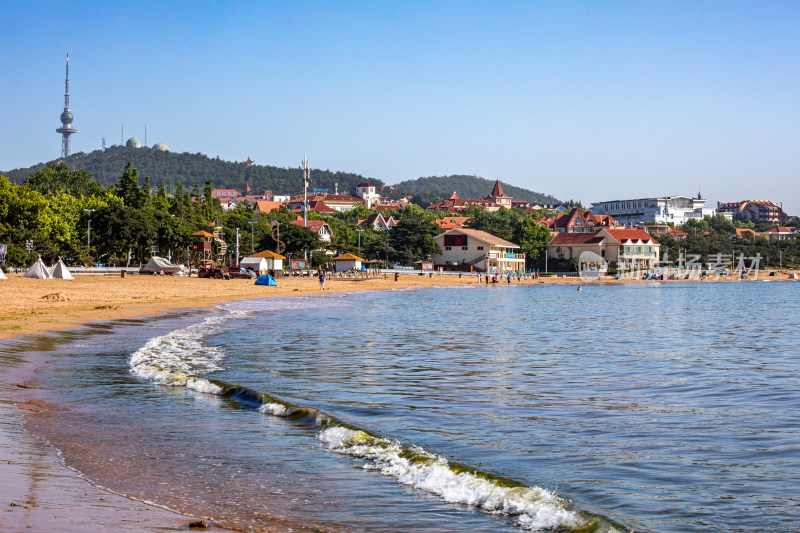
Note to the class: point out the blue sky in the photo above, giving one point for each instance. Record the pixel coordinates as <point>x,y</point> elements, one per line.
<point>590,101</point>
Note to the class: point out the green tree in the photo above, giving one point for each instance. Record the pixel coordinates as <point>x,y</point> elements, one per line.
<point>412,238</point>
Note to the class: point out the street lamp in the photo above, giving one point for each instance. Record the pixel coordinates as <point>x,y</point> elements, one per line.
<point>359,230</point>
<point>252,245</point>
<point>89,230</point>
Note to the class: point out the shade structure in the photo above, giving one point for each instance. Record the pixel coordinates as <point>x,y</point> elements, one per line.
<point>2,275</point>
<point>60,271</point>
<point>38,270</point>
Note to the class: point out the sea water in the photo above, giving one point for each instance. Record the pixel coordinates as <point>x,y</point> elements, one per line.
<point>664,407</point>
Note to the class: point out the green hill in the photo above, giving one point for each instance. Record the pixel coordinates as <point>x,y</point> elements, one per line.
<point>471,187</point>
<point>188,169</point>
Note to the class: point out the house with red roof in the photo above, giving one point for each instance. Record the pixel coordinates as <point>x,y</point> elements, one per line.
<point>744,233</point>
<point>779,233</point>
<point>759,211</point>
<point>451,222</point>
<point>337,202</point>
<point>632,249</point>
<point>263,206</point>
<point>577,221</point>
<point>320,227</point>
<point>376,222</point>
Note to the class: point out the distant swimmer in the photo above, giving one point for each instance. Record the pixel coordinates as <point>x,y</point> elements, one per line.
<point>580,289</point>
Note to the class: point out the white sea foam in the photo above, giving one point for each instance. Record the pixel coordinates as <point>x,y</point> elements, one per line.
<point>275,409</point>
<point>179,356</point>
<point>535,508</point>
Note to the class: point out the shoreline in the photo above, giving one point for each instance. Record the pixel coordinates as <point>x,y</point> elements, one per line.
<point>33,306</point>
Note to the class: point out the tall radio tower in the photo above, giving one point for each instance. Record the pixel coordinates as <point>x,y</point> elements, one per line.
<point>66,128</point>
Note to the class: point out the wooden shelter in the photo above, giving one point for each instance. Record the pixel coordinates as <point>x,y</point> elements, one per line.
<point>201,248</point>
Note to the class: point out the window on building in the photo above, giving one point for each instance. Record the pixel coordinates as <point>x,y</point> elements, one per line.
<point>480,247</point>
<point>447,248</point>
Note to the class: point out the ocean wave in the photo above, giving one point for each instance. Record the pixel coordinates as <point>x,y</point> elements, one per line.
<point>178,358</point>
<point>534,508</point>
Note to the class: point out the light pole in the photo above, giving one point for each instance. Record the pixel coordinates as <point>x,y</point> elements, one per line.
<point>237,246</point>
<point>252,244</point>
<point>89,230</point>
<point>360,231</point>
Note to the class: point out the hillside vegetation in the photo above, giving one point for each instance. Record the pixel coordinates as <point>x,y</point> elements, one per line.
<point>471,187</point>
<point>170,169</point>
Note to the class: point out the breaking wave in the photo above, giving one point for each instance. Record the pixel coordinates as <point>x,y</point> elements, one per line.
<point>180,357</point>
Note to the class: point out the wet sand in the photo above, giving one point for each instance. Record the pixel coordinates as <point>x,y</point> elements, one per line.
<point>37,493</point>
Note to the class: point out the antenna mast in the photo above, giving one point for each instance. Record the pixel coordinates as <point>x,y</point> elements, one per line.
<point>66,128</point>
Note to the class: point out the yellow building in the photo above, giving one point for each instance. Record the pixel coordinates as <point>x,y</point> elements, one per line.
<point>463,248</point>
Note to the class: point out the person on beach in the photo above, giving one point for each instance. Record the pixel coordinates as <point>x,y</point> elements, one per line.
<point>321,279</point>
<point>479,278</point>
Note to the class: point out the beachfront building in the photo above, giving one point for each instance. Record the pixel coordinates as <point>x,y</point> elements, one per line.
<point>674,210</point>
<point>263,262</point>
<point>759,211</point>
<point>471,249</point>
<point>346,262</point>
<point>631,249</point>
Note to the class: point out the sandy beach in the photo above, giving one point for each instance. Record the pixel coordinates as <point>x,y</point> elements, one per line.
<point>33,306</point>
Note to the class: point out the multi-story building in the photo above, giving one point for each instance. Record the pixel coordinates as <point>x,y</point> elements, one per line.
<point>366,191</point>
<point>623,248</point>
<point>464,248</point>
<point>663,210</point>
<point>759,211</point>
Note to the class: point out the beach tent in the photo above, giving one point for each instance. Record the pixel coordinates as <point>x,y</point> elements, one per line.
<point>60,271</point>
<point>159,264</point>
<point>2,276</point>
<point>793,275</point>
<point>266,279</point>
<point>38,270</point>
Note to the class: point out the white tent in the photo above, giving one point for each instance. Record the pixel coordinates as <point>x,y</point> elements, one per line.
<point>38,270</point>
<point>60,271</point>
<point>159,264</point>
<point>2,276</point>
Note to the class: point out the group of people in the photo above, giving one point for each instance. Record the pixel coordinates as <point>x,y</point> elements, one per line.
<point>508,276</point>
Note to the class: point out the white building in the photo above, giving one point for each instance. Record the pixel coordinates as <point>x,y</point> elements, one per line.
<point>665,210</point>
<point>463,247</point>
<point>366,191</point>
